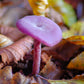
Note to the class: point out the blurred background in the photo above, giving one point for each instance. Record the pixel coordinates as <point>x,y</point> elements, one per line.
<point>68,14</point>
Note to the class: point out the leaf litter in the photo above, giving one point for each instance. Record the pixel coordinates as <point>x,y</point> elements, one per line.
<point>60,64</point>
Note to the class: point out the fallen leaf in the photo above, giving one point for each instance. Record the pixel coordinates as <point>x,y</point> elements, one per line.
<point>5,41</point>
<point>5,74</point>
<point>16,51</point>
<point>61,51</point>
<point>77,62</point>
<point>7,77</point>
<point>79,77</point>
<point>55,16</point>
<point>66,81</point>
<point>67,34</point>
<point>50,70</point>
<point>77,40</point>
<point>13,15</point>
<point>18,78</point>
<point>77,29</point>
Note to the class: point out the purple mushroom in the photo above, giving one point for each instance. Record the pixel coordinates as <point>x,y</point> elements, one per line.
<point>43,30</point>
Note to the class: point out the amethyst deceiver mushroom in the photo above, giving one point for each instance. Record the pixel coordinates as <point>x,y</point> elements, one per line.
<point>43,30</point>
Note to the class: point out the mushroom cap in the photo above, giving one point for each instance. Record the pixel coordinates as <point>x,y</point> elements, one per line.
<point>40,28</point>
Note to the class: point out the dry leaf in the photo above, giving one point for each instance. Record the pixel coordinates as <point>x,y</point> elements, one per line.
<point>78,28</point>
<point>5,41</point>
<point>77,40</point>
<point>16,51</point>
<point>50,70</point>
<point>15,35</point>
<point>13,15</point>
<point>81,77</point>
<point>18,78</point>
<point>77,62</point>
<point>5,74</point>
<point>61,51</point>
<point>7,77</point>
<point>6,29</point>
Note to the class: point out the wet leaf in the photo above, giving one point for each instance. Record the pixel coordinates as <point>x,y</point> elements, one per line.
<point>77,62</point>
<point>65,10</point>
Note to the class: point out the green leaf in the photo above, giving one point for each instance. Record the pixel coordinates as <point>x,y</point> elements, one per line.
<point>67,34</point>
<point>78,28</point>
<point>66,81</point>
<point>65,10</point>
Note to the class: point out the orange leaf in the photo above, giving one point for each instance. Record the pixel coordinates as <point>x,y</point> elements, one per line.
<point>78,40</point>
<point>77,62</point>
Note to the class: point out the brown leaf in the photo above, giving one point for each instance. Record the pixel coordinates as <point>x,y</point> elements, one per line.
<point>77,40</point>
<point>2,4</point>
<point>5,41</point>
<point>63,51</point>
<point>77,62</point>
<point>5,74</point>
<point>5,29</point>
<point>16,51</point>
<point>13,15</point>
<point>18,78</point>
<point>7,77</point>
<point>55,16</point>
<point>50,70</point>
<point>15,35</point>
<point>81,77</point>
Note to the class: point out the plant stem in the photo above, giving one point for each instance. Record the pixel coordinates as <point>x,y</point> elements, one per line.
<point>36,57</point>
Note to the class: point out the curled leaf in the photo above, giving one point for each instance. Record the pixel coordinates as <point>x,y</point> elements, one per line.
<point>4,41</point>
<point>38,6</point>
<point>77,62</point>
<point>16,51</point>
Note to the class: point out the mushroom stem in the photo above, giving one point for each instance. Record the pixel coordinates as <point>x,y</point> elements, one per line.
<point>37,57</point>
